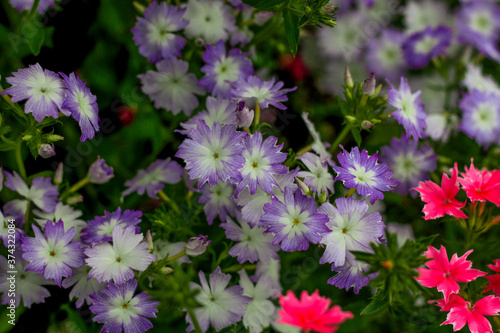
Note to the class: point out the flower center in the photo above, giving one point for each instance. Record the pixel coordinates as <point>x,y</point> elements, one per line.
<point>255,165</point>
<point>296,221</point>
<point>52,253</point>
<point>124,305</point>
<point>447,275</point>
<point>118,259</point>
<point>216,156</point>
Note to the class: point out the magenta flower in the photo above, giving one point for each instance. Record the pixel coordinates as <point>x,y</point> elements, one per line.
<point>463,313</point>
<point>445,274</point>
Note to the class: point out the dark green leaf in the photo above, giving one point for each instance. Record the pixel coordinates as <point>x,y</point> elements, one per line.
<point>338,186</point>
<point>6,146</point>
<point>34,34</point>
<point>291,29</point>
<point>263,4</point>
<point>426,240</point>
<point>357,135</point>
<point>378,302</point>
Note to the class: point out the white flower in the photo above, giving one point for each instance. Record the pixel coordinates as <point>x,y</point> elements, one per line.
<point>211,20</point>
<point>67,214</point>
<point>260,311</point>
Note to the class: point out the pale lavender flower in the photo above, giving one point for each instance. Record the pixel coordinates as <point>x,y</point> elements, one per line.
<point>46,150</point>
<point>253,205</point>
<point>420,47</point>
<point>351,274</point>
<point>66,213</point>
<point>197,245</point>
<point>409,163</point>
<point>6,226</point>
<point>253,242</point>
<point>271,271</point>
<point>43,89</point>
<point>384,55</point>
<point>212,154</point>
<point>264,93</point>
<point>54,254</point>
<point>82,286</point>
<point>318,146</point>
<point>363,172</point>
<point>262,160</point>
<point>42,193</point>
<point>116,262</point>
<point>119,310</point>
<point>100,229</point>
<point>318,179</point>
<point>218,200</point>
<point>172,87</point>
<point>295,221</point>
<point>350,229</point>
<point>154,178</point>
<point>219,110</point>
<point>22,5</point>
<point>220,306</point>
<point>210,20</point>
<point>481,117</point>
<point>154,34</point>
<point>244,115</point>
<point>410,112</point>
<point>223,69</point>
<point>82,106</point>
<point>419,15</point>
<point>100,172</point>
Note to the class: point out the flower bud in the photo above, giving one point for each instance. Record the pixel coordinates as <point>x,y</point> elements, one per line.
<point>369,85</point>
<point>99,172</point>
<point>54,137</point>
<point>322,197</point>
<point>46,150</point>
<point>245,117</point>
<point>58,176</point>
<point>197,245</point>
<point>75,199</point>
<point>27,137</point>
<point>351,119</point>
<point>303,187</point>
<point>366,124</point>
<point>348,78</point>
<point>166,270</point>
<point>149,240</point>
<point>328,9</point>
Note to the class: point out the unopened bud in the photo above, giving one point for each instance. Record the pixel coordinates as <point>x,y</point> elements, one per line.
<point>54,138</point>
<point>322,197</point>
<point>99,172</point>
<point>366,124</point>
<point>197,245</point>
<point>348,78</point>
<point>328,9</point>
<point>369,85</point>
<point>75,199</point>
<point>149,240</point>
<point>377,90</point>
<point>244,115</point>
<point>140,8</point>
<point>46,151</point>
<point>199,42</point>
<point>27,137</point>
<point>303,187</point>
<point>58,176</point>
<point>166,270</point>
<point>351,119</point>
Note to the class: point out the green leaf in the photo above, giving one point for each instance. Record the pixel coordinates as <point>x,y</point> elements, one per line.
<point>34,34</point>
<point>6,146</point>
<point>292,29</point>
<point>45,173</point>
<point>357,135</point>
<point>426,241</point>
<point>338,186</point>
<point>263,4</point>
<point>378,302</point>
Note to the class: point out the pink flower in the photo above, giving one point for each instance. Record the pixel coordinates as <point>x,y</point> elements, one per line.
<point>481,185</point>
<point>474,315</point>
<point>311,312</point>
<point>453,301</point>
<point>443,274</point>
<point>441,200</point>
<point>494,280</point>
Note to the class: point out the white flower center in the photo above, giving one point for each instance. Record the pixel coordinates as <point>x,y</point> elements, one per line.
<point>426,44</point>
<point>481,23</point>
<point>226,70</point>
<point>390,55</point>
<point>485,117</point>
<point>255,164</point>
<point>159,32</point>
<point>362,176</point>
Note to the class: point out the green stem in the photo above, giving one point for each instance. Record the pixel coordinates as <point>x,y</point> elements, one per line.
<point>236,268</point>
<point>78,186</point>
<point>26,226</point>
<point>177,256</point>
<point>166,199</point>
<point>340,137</point>
<point>351,192</point>
<point>34,9</point>
<point>256,119</point>
<point>19,160</point>
<point>196,324</point>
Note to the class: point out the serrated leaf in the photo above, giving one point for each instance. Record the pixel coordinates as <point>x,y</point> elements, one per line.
<point>292,29</point>
<point>356,135</point>
<point>378,303</point>
<point>426,241</point>
<point>263,4</point>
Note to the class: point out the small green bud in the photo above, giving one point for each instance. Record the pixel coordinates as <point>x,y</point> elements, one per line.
<point>27,137</point>
<point>366,124</point>
<point>322,197</point>
<point>348,78</point>
<point>351,119</point>
<point>54,138</point>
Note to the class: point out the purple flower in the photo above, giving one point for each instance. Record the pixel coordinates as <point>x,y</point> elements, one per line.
<point>218,200</point>
<point>82,106</point>
<point>100,229</point>
<point>210,20</point>
<point>244,115</point>
<point>154,33</point>
<point>481,117</point>
<point>172,87</point>
<point>54,254</point>
<point>409,163</point>
<point>295,221</point>
<point>154,178</point>
<point>219,110</point>
<point>270,270</point>
<point>220,306</point>
<point>384,55</point>
<point>100,172</point>
<point>350,229</point>
<point>46,150</point>
<point>212,154</point>
<point>67,214</point>
<point>410,112</point>
<point>223,70</point>
<point>264,93</point>
<point>363,172</point>
<point>43,5</point>
<point>253,242</point>
<point>318,179</point>
<point>119,310</point>
<point>116,262</point>
<point>351,274</point>
<point>262,160</point>
<point>420,47</point>
<point>43,89</point>
<point>83,286</point>
<point>478,24</point>
<point>197,245</point>
<point>42,193</point>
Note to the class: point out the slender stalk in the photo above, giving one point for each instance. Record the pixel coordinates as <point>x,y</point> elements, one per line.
<point>177,256</point>
<point>351,192</point>
<point>34,9</point>
<point>236,268</point>
<point>257,115</point>
<point>196,324</point>
<point>166,199</point>
<point>19,160</point>
<point>340,137</point>
<point>78,185</point>
<point>26,226</point>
